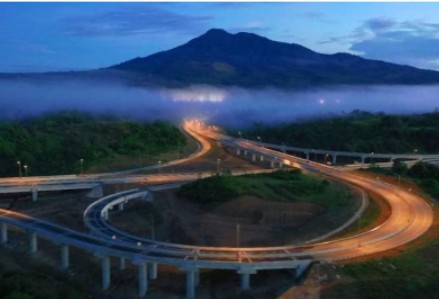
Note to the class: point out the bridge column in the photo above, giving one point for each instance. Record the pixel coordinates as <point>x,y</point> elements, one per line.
<point>120,206</point>
<point>4,233</point>
<point>261,158</point>
<point>238,152</point>
<point>272,165</point>
<point>190,283</point>
<point>65,262</point>
<point>363,158</point>
<point>121,263</point>
<point>106,272</point>
<point>152,269</point>
<point>143,279</point>
<point>253,157</point>
<point>34,194</point>
<point>245,278</point>
<point>33,243</point>
<point>307,155</point>
<point>197,277</point>
<point>334,159</point>
<point>245,152</point>
<point>105,214</point>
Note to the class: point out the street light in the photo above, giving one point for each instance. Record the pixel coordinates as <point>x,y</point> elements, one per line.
<point>81,162</point>
<point>160,165</point>
<point>240,134</point>
<point>19,168</point>
<point>25,170</point>
<point>238,241</point>
<point>218,161</point>
<point>259,138</point>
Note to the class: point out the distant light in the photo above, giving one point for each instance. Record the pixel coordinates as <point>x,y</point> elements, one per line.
<point>322,101</point>
<point>197,94</point>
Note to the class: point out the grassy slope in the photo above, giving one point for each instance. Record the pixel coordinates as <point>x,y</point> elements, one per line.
<point>290,186</point>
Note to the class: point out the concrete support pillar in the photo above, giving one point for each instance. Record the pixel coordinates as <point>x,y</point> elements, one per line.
<point>120,206</point>
<point>197,277</point>
<point>121,263</point>
<point>334,159</point>
<point>363,158</point>
<point>4,233</point>
<point>238,152</point>
<point>253,157</point>
<point>261,158</point>
<point>307,155</point>
<point>106,272</point>
<point>190,284</point>
<point>143,279</point>
<point>245,153</point>
<point>34,194</point>
<point>272,164</point>
<point>65,259</point>
<point>33,243</point>
<point>152,269</point>
<point>245,278</point>
<point>105,214</point>
<point>245,281</point>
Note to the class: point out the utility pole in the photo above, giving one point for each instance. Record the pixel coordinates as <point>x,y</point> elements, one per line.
<point>81,162</point>
<point>238,237</point>
<point>19,168</point>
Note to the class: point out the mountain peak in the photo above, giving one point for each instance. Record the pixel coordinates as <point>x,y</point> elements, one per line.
<point>245,59</point>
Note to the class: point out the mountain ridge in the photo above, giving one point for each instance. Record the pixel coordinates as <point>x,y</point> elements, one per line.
<point>248,60</point>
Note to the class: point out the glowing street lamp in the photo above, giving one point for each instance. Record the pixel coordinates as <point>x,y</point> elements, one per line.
<point>19,168</point>
<point>25,170</point>
<point>160,165</point>
<point>259,138</point>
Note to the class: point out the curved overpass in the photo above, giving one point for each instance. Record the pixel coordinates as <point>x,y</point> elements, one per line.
<point>411,216</point>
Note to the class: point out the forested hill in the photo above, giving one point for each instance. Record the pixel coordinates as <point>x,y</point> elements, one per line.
<point>55,143</point>
<point>357,131</point>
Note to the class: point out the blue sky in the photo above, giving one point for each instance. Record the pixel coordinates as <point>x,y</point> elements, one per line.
<point>40,37</point>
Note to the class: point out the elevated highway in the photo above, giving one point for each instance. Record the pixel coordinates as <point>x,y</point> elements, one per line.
<point>410,217</point>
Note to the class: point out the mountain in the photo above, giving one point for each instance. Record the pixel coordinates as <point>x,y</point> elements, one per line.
<point>245,59</point>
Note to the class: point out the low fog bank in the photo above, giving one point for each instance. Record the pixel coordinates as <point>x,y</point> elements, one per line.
<point>231,106</point>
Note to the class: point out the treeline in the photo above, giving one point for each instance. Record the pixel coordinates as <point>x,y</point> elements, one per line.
<point>358,131</point>
<point>55,143</point>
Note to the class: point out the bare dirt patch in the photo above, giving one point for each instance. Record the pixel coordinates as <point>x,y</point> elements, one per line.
<point>261,222</point>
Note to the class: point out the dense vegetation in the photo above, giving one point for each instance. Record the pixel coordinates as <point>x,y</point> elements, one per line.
<point>43,284</point>
<point>55,143</point>
<point>359,132</point>
<point>280,186</point>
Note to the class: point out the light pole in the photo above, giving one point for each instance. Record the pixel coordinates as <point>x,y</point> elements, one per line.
<point>259,138</point>
<point>25,170</point>
<point>160,166</point>
<point>19,168</point>
<point>240,135</point>
<point>218,161</point>
<point>81,162</point>
<point>238,237</point>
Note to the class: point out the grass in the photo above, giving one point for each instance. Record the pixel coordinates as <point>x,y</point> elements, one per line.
<point>286,186</point>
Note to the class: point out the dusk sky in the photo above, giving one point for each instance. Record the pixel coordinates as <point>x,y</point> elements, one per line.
<point>40,37</point>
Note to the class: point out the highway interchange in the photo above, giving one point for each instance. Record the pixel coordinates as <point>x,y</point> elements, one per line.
<point>411,216</point>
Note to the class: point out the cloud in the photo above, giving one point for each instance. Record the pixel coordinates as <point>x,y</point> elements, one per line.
<point>409,42</point>
<point>134,22</point>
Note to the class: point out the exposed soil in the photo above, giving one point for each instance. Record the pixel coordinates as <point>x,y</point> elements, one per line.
<point>258,222</point>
